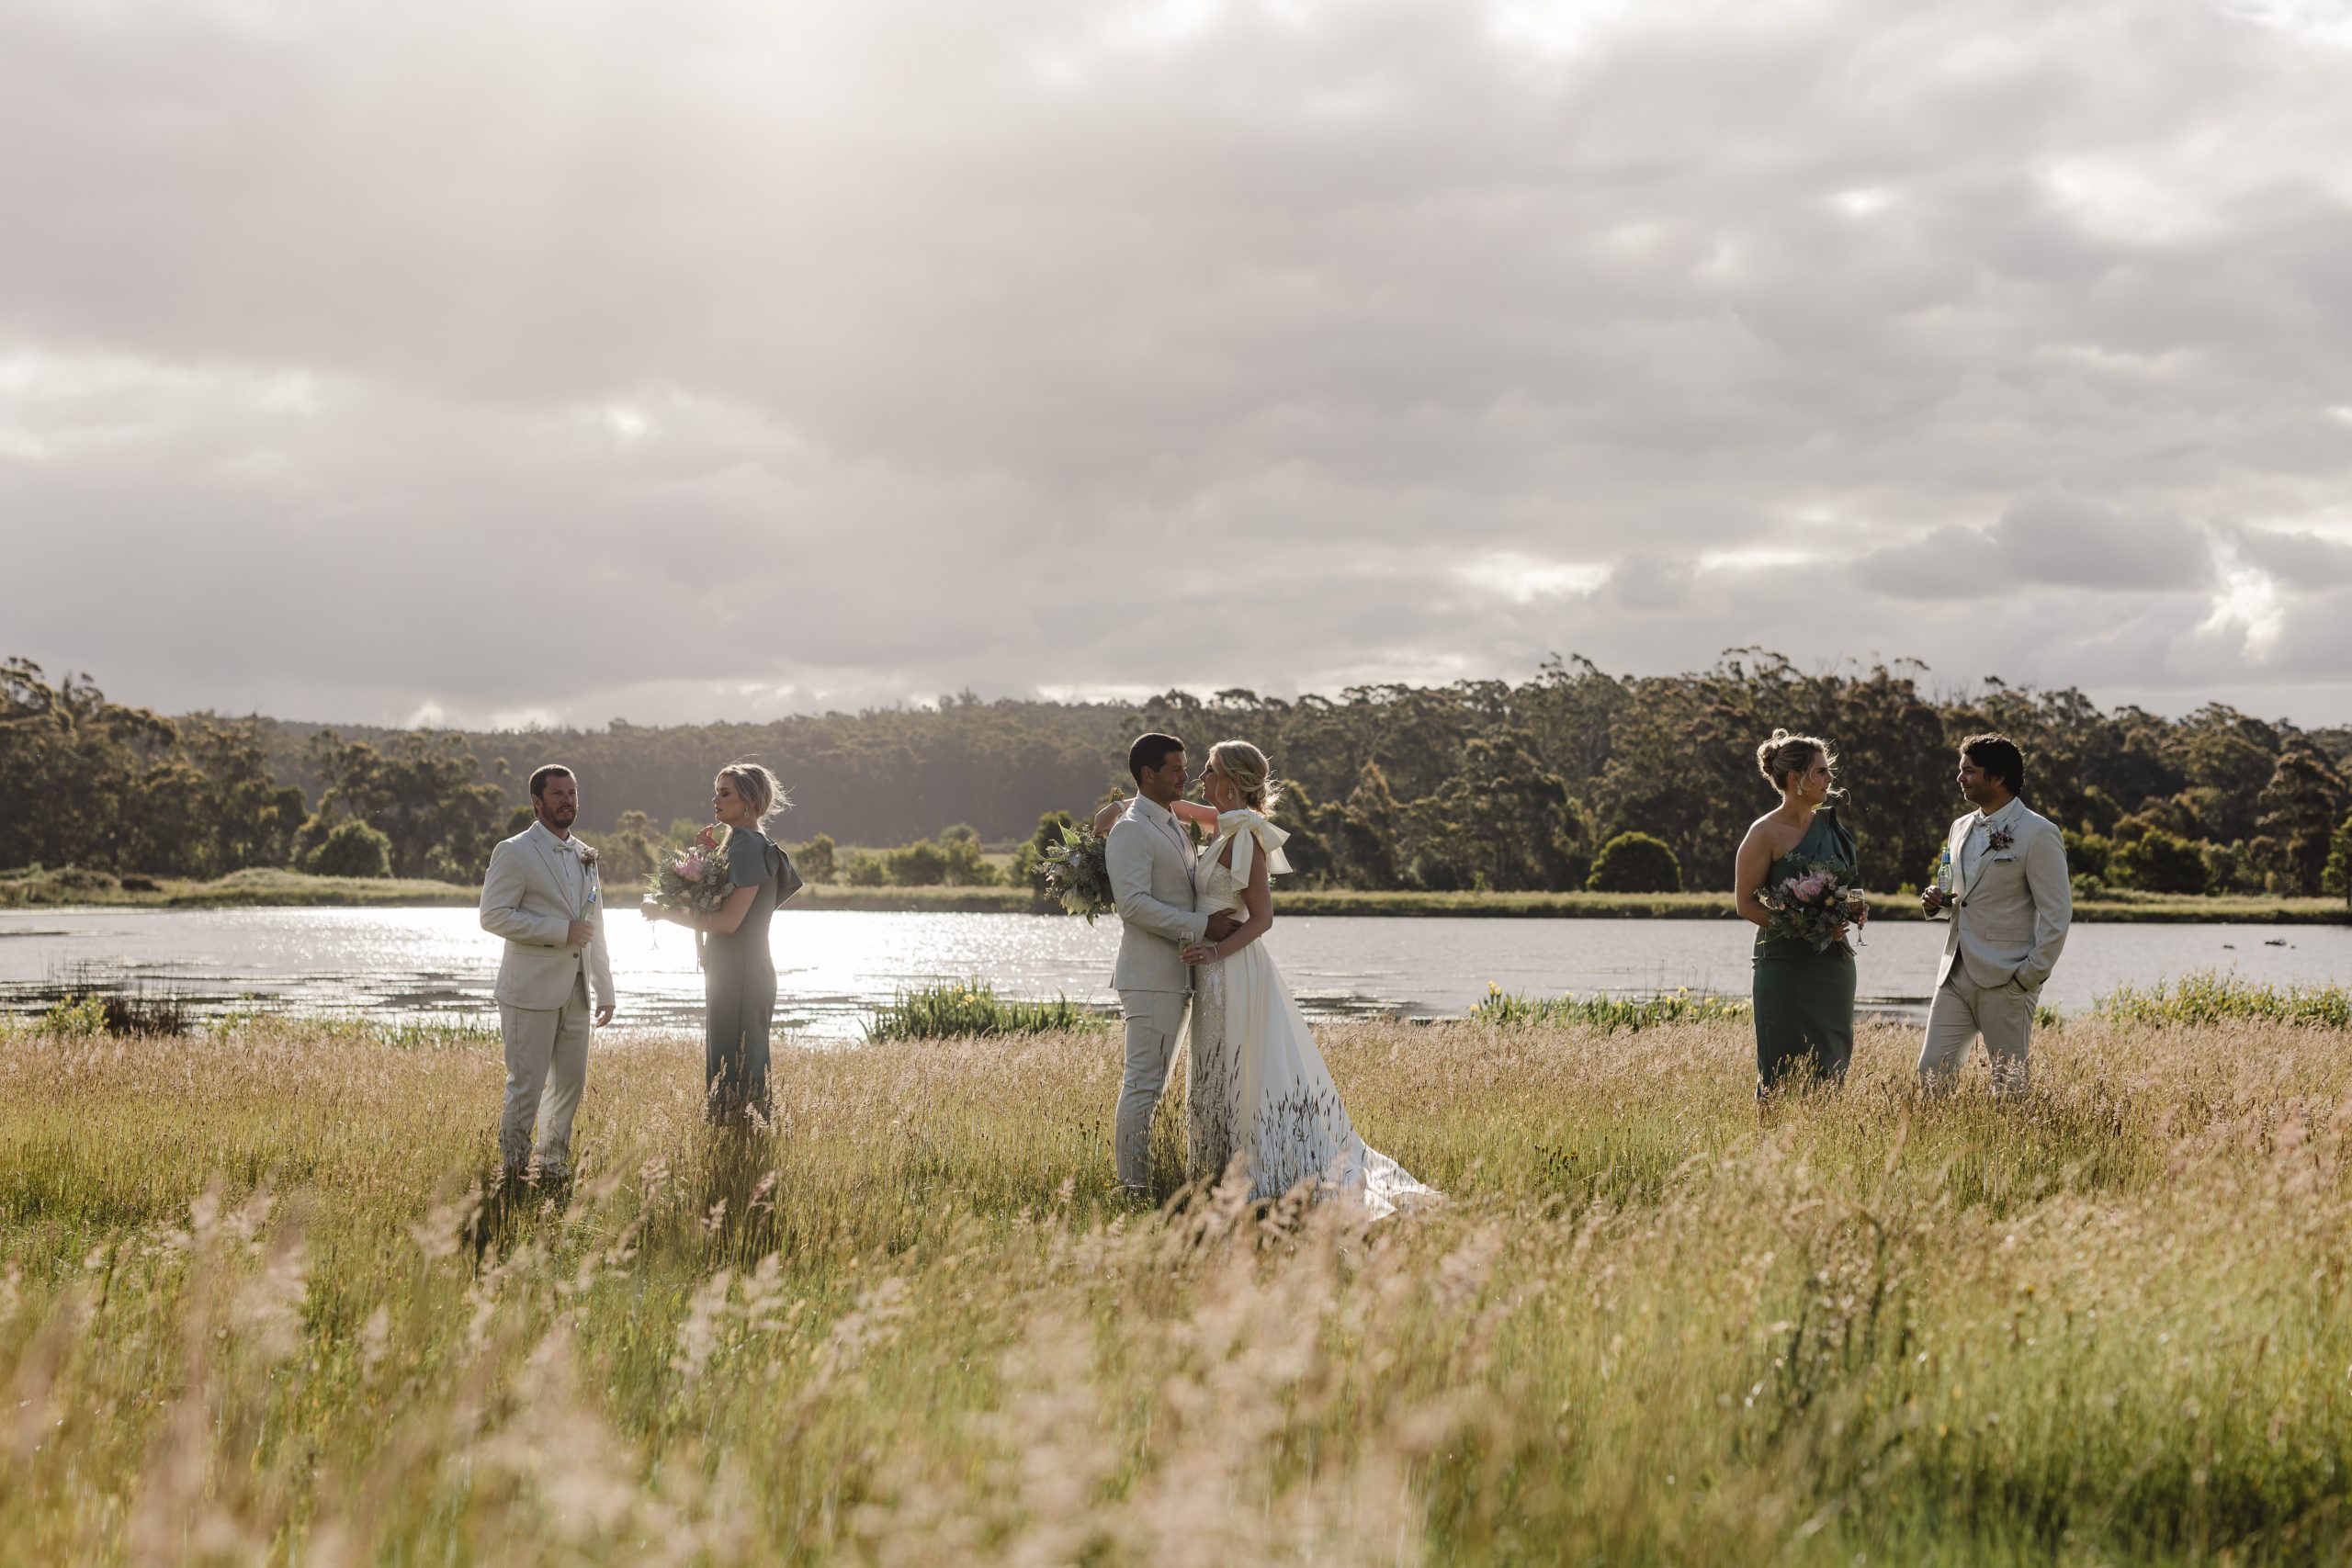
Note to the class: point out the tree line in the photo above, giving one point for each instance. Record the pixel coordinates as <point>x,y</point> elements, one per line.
<point>1573,777</point>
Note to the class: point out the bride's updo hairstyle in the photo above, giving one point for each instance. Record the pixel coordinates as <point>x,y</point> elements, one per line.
<point>1247,767</point>
<point>1785,756</point>
<point>760,789</point>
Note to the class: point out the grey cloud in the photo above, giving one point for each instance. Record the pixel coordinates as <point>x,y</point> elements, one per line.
<point>2071,542</point>
<point>1651,582</point>
<point>2314,641</point>
<point>2298,562</point>
<point>1940,564</point>
<point>2054,540</point>
<point>860,352</point>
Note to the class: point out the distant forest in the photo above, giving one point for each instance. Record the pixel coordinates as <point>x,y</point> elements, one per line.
<point>1478,785</point>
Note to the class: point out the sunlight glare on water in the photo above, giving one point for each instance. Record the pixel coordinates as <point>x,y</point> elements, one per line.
<point>833,965</point>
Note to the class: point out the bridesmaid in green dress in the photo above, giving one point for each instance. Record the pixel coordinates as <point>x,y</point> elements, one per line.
<point>1804,998</point>
<point>738,969</point>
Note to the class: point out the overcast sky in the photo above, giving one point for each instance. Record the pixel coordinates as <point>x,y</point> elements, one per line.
<point>511,362</point>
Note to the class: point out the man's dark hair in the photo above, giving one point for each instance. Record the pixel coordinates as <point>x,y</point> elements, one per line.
<point>1150,753</point>
<point>1997,755</point>
<point>539,777</point>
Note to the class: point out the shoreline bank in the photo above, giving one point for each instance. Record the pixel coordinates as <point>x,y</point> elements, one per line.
<point>281,889</point>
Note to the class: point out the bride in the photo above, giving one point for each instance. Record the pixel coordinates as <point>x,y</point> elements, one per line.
<point>1258,1087</point>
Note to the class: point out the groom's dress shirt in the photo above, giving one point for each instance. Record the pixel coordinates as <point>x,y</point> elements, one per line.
<point>569,870</point>
<point>1980,833</point>
<point>1153,812</point>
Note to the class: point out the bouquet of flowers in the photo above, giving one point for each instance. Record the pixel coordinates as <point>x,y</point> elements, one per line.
<point>1076,873</point>
<point>1811,903</point>
<point>694,879</point>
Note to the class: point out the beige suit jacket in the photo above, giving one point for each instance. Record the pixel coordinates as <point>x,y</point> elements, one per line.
<point>528,899</point>
<point>2010,922</point>
<point>1152,882</point>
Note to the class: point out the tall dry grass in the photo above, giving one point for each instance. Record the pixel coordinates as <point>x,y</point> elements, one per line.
<point>255,1308</point>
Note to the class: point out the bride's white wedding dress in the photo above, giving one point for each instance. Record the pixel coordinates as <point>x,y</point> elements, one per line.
<point>1258,1086</point>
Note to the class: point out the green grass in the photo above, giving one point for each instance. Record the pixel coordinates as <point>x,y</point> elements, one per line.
<point>2116,905</point>
<point>254,1308</point>
<point>1510,1010</point>
<point>2210,999</point>
<point>256,887</point>
<point>951,1010</point>
<point>1002,858</point>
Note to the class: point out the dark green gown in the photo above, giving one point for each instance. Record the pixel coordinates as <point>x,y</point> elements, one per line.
<point>1804,999</point>
<point>739,987</point>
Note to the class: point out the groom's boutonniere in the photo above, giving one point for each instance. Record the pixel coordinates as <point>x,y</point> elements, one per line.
<point>587,854</point>
<point>2002,839</point>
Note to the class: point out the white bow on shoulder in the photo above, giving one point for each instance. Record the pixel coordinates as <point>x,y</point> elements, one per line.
<point>1248,830</point>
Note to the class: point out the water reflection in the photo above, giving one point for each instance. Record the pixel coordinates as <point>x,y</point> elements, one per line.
<point>834,965</point>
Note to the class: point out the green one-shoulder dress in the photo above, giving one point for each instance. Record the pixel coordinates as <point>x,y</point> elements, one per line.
<point>739,988</point>
<point>1804,998</point>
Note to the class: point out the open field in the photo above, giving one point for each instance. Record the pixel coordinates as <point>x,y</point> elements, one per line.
<point>256,1311</point>
<point>261,888</point>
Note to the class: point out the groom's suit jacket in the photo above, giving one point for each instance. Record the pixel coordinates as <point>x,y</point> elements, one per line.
<point>2011,905</point>
<point>1152,880</point>
<point>530,897</point>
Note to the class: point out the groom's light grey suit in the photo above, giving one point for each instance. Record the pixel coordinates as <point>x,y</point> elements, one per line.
<point>537,885</point>
<point>2010,906</point>
<point>1153,880</point>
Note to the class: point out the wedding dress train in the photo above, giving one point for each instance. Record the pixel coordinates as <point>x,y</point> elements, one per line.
<point>1258,1086</point>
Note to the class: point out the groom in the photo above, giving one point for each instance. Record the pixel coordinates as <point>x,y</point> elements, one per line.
<point>2010,905</point>
<point>1153,881</point>
<point>541,893</point>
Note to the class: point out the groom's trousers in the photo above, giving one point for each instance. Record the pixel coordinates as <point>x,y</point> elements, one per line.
<point>547,1066</point>
<point>1155,1020</point>
<point>2002,1014</point>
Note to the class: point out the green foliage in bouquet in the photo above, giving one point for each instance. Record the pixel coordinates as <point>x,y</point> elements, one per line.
<point>1032,853</point>
<point>1814,904</point>
<point>695,879</point>
<point>1076,873</point>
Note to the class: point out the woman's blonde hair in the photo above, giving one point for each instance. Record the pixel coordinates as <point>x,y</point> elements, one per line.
<point>1250,772</point>
<point>761,790</point>
<point>1785,755</point>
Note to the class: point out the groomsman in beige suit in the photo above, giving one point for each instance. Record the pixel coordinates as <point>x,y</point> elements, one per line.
<point>2011,904</point>
<point>542,895</point>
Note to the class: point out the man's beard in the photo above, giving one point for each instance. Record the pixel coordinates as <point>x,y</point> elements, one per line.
<point>563,819</point>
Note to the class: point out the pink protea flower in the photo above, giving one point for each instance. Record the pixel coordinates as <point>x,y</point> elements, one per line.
<point>1812,887</point>
<point>690,868</point>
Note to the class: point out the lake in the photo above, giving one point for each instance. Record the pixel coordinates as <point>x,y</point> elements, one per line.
<point>834,964</point>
